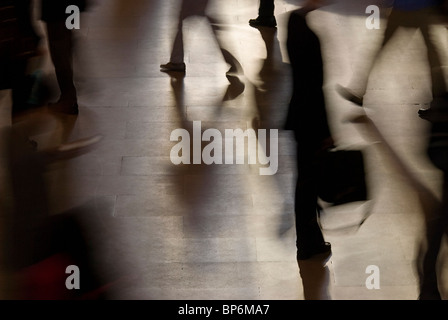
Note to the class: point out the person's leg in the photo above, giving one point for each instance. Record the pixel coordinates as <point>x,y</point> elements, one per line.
<point>176,62</point>
<point>266,9</point>
<point>310,240</point>
<point>436,227</point>
<point>357,86</point>
<point>438,82</point>
<point>307,117</point>
<point>20,87</point>
<point>229,58</point>
<point>266,17</point>
<point>60,40</point>
<point>177,53</point>
<point>189,8</point>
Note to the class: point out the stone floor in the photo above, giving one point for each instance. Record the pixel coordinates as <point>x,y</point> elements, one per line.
<point>214,232</point>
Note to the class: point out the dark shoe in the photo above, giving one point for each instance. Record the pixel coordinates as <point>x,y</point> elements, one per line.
<point>64,107</point>
<point>323,249</point>
<point>350,95</point>
<point>172,66</point>
<point>269,22</point>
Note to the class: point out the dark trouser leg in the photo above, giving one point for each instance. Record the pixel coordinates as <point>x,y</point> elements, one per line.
<point>228,57</point>
<point>29,198</point>
<point>177,52</point>
<point>436,226</point>
<point>360,79</point>
<point>188,9</point>
<point>60,41</point>
<point>308,230</point>
<point>266,16</point>
<point>266,8</point>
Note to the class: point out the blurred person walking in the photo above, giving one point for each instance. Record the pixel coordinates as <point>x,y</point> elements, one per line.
<point>191,8</point>
<point>414,14</point>
<point>61,44</point>
<point>307,118</point>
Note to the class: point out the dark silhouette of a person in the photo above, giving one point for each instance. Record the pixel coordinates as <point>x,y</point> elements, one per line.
<point>436,221</point>
<point>307,118</point>
<point>418,15</point>
<point>198,8</point>
<point>19,42</point>
<point>61,44</point>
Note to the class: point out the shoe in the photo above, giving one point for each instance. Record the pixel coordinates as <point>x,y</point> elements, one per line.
<point>323,248</point>
<point>269,22</point>
<point>172,66</point>
<point>350,95</point>
<point>64,107</point>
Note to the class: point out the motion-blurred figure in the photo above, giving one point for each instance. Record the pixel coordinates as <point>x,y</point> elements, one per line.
<point>436,221</point>
<point>40,246</point>
<point>270,82</point>
<point>307,117</point>
<point>417,14</point>
<point>61,45</point>
<point>191,8</point>
<point>266,17</point>
<point>19,42</point>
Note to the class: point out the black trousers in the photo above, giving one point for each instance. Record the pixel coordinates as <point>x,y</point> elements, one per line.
<point>308,231</point>
<point>61,44</point>
<point>307,117</point>
<point>266,8</point>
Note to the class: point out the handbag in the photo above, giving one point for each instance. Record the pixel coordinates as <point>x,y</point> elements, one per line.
<point>342,177</point>
<point>343,187</point>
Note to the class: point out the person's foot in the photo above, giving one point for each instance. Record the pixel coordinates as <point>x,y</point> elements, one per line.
<point>323,249</point>
<point>350,95</point>
<point>173,66</point>
<point>269,22</point>
<point>66,107</point>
